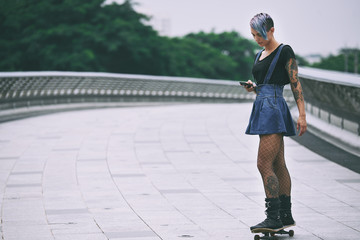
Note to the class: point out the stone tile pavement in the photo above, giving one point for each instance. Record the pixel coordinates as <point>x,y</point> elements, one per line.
<point>162,172</point>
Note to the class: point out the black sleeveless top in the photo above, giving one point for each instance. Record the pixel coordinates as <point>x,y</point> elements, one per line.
<point>280,75</point>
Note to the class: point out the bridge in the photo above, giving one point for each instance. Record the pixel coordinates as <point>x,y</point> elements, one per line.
<point>332,98</point>
<point>149,157</point>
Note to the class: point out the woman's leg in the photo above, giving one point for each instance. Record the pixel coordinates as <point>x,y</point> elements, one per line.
<point>269,149</point>
<point>283,175</point>
<point>282,172</point>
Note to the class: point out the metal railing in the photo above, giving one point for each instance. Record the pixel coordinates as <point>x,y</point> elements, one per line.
<point>333,106</point>
<point>29,93</point>
<point>17,89</point>
<point>331,97</point>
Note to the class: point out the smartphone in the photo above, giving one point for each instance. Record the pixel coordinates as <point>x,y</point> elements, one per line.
<point>246,84</point>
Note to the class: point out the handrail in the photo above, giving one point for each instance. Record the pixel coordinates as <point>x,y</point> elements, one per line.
<point>328,76</point>
<point>333,92</point>
<point>30,87</point>
<point>24,92</point>
<point>333,106</point>
<point>330,96</point>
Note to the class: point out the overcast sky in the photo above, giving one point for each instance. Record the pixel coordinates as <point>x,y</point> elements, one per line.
<point>309,26</point>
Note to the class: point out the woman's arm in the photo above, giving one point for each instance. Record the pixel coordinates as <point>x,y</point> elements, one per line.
<point>292,70</point>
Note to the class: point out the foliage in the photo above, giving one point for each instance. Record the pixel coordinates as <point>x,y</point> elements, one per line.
<point>188,57</point>
<point>72,35</point>
<point>301,61</point>
<point>231,44</point>
<point>345,61</point>
<point>85,35</point>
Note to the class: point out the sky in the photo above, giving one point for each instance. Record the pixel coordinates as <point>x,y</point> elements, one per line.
<point>309,26</point>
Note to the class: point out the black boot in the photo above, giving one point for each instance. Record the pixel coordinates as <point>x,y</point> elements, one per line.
<point>285,211</point>
<point>272,220</point>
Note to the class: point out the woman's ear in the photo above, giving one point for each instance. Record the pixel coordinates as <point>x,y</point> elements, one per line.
<point>270,33</point>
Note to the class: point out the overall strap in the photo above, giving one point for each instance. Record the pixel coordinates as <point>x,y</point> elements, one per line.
<point>272,65</point>
<point>258,55</point>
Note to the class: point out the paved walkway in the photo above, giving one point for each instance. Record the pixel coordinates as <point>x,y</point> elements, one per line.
<point>162,172</point>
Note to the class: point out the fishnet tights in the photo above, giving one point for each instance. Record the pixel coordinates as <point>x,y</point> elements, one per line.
<point>272,167</point>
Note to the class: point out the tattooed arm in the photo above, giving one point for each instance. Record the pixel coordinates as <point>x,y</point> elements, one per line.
<point>292,70</point>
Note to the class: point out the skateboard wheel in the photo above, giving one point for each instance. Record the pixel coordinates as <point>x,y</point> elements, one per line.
<point>291,233</point>
<point>256,237</point>
<point>272,234</point>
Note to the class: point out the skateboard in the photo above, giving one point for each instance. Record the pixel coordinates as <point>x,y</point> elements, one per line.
<point>270,233</point>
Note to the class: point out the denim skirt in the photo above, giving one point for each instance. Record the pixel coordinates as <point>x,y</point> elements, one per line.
<point>270,113</point>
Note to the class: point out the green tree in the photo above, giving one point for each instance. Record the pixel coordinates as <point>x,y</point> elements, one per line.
<point>346,61</point>
<point>86,35</point>
<point>232,44</point>
<point>75,35</point>
<point>125,44</point>
<point>188,57</point>
<point>302,61</point>
<point>39,35</point>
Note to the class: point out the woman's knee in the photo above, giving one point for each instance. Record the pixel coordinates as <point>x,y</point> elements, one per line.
<point>280,165</point>
<point>263,166</point>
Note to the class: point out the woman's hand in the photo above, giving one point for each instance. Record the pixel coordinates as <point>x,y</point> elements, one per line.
<point>250,89</point>
<point>301,124</point>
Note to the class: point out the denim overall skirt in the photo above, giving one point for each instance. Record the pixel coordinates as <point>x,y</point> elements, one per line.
<point>270,113</point>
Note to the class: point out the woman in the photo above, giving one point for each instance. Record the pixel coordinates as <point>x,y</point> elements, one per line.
<point>271,119</point>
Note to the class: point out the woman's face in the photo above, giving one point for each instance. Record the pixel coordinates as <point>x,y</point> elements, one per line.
<point>258,38</point>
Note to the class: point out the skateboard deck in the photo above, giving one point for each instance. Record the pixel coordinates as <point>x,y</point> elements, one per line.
<point>270,233</point>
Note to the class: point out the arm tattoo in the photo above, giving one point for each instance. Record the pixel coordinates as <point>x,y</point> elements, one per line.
<point>295,84</point>
<point>292,70</point>
<point>296,94</point>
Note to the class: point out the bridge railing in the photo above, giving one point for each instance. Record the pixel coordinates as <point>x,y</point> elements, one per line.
<point>332,98</point>
<point>31,87</point>
<point>29,93</point>
<point>333,106</point>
